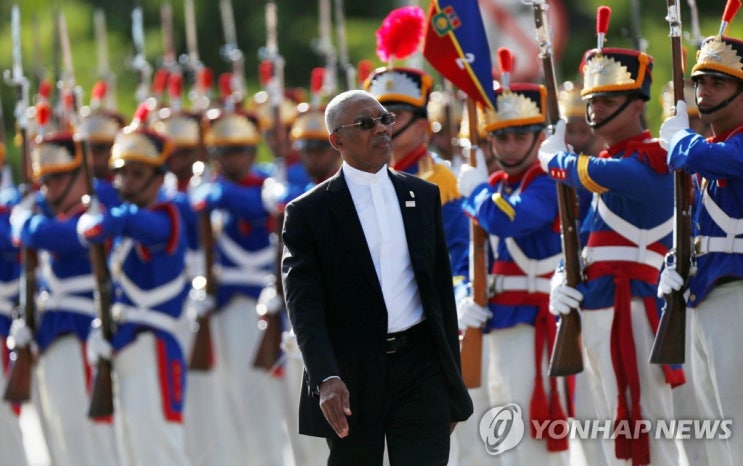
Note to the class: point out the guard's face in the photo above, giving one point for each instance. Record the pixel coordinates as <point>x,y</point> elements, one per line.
<point>100,153</point>
<point>579,135</point>
<point>138,183</point>
<point>234,162</point>
<point>320,159</point>
<point>713,90</point>
<point>516,151</point>
<point>181,161</point>
<point>364,149</point>
<point>614,128</point>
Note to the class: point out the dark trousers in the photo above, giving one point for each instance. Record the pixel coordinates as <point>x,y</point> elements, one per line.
<point>415,418</point>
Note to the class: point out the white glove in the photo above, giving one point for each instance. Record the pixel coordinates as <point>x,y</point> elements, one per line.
<point>20,334</point>
<point>271,194</point>
<point>269,302</point>
<point>674,124</point>
<point>552,145</point>
<point>21,213</point>
<point>471,314</point>
<point>670,280</point>
<point>289,344</point>
<point>97,347</point>
<point>471,177</point>
<point>563,298</point>
<point>199,303</point>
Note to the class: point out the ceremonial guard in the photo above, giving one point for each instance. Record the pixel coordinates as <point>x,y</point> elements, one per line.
<point>148,273</point>
<point>244,259</point>
<point>65,302</point>
<point>628,233</point>
<point>518,206</point>
<point>715,289</point>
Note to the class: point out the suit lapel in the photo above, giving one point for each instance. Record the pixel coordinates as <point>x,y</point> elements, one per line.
<point>408,207</point>
<point>341,205</point>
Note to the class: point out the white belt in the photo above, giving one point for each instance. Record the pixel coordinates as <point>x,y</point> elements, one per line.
<point>705,244</point>
<point>622,253</point>
<point>640,236</point>
<point>500,283</point>
<point>10,288</point>
<point>244,258</point>
<point>77,304</point>
<point>531,267</point>
<point>158,320</point>
<point>236,276</point>
<point>6,308</point>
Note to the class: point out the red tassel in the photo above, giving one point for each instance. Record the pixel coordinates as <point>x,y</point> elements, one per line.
<point>555,443</point>
<point>622,440</point>
<point>538,408</point>
<point>640,445</point>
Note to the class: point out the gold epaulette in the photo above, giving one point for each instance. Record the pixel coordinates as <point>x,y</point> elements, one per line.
<point>444,178</point>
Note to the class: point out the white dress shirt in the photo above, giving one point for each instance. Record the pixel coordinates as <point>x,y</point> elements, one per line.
<point>378,209</point>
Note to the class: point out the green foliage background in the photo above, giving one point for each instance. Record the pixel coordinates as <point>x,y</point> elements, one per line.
<point>298,32</point>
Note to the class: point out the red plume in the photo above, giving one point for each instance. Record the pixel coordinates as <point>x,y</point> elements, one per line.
<point>43,113</point>
<point>175,84</point>
<point>225,84</point>
<point>99,91</point>
<point>731,8</point>
<point>45,89</point>
<point>602,19</point>
<point>205,78</point>
<point>265,72</point>
<point>159,81</point>
<point>318,76</point>
<point>401,33</point>
<point>140,116</point>
<point>364,69</point>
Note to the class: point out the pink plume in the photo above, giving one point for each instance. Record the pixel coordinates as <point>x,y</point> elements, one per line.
<point>401,33</point>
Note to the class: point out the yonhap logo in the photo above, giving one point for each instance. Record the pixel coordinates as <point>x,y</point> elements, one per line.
<point>501,428</point>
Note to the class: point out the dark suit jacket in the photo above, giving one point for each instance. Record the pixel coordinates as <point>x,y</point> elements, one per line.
<point>335,301</point>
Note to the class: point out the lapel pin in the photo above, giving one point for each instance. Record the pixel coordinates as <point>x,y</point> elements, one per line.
<point>412,194</point>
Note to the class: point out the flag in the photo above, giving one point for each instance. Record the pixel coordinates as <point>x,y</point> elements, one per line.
<point>456,46</point>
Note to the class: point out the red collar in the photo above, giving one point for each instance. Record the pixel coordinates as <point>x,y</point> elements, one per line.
<point>726,135</point>
<point>411,158</point>
<point>624,146</point>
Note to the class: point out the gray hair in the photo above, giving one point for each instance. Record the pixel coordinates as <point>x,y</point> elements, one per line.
<point>335,108</point>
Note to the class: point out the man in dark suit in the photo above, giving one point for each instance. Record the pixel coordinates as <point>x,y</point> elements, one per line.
<point>368,287</point>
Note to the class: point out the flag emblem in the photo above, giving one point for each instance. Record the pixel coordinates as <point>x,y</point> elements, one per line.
<point>446,21</point>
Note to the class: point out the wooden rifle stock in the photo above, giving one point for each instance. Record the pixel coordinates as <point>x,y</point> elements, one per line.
<point>102,396</point>
<point>471,344</point>
<point>567,353</point>
<point>202,350</point>
<point>670,339</point>
<point>269,349</point>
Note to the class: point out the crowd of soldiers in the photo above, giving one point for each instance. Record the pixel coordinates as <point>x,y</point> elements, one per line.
<point>188,218</point>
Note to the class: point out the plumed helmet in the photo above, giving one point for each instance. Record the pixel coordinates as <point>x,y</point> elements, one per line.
<point>55,153</point>
<point>400,88</point>
<point>230,129</point>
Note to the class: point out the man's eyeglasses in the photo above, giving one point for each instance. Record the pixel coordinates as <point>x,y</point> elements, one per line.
<point>367,123</point>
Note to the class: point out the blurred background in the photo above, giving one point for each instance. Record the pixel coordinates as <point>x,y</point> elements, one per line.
<point>634,24</point>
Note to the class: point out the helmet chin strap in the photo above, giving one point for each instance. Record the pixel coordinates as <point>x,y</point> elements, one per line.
<point>405,126</point>
<point>611,117</point>
<point>522,159</point>
<point>138,194</point>
<point>57,203</point>
<point>722,104</point>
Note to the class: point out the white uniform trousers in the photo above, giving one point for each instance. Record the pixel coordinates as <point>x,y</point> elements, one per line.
<point>512,358</point>
<point>585,410</point>
<point>74,438</point>
<point>11,440</point>
<point>717,324</point>
<point>656,400</point>
<point>147,438</point>
<point>248,398</point>
<point>467,447</point>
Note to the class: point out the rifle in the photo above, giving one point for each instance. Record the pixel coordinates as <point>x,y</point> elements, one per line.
<point>567,353</point>
<point>670,339</point>
<point>232,53</point>
<point>104,69</point>
<point>326,49</point>
<point>101,399</point>
<point>340,25</point>
<point>18,389</point>
<point>272,75</point>
<point>200,93</point>
<point>139,62</point>
<point>471,341</point>
<point>202,352</point>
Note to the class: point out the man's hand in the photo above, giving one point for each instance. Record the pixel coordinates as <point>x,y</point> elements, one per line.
<point>335,405</point>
